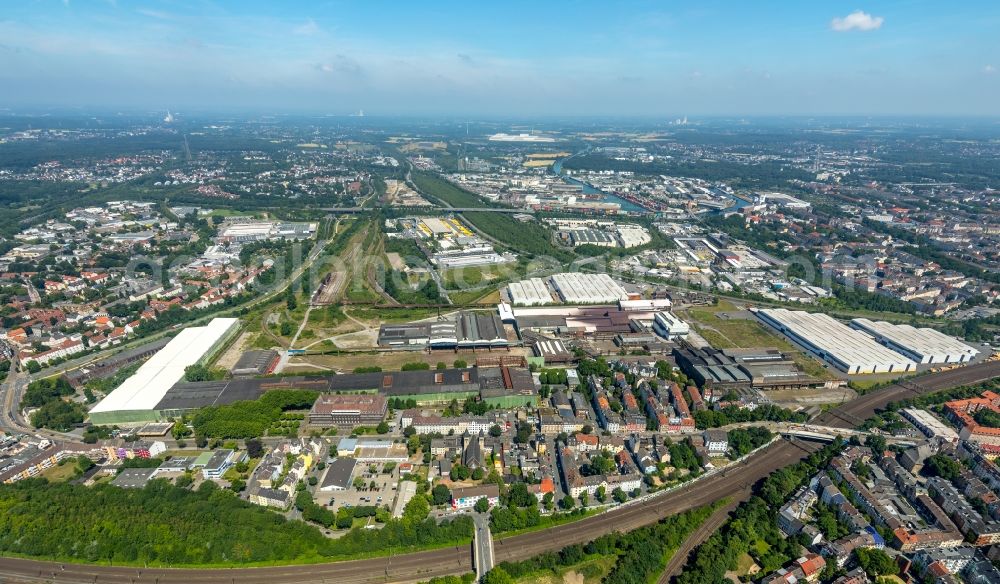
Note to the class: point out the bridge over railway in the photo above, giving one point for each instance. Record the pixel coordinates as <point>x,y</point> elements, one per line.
<point>733,483</point>
<point>508,210</point>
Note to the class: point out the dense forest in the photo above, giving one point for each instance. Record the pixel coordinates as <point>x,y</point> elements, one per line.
<point>53,411</point>
<point>734,415</point>
<point>159,525</point>
<point>764,174</point>
<point>530,238</point>
<point>168,525</point>
<point>451,195</point>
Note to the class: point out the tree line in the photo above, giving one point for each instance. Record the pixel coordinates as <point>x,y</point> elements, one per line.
<point>639,554</point>
<point>250,418</point>
<point>753,521</point>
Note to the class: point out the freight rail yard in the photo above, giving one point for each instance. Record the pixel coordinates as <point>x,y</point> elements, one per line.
<point>735,483</point>
<point>358,349</point>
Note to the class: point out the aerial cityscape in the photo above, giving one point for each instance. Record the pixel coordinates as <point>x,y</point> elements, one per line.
<point>571,293</point>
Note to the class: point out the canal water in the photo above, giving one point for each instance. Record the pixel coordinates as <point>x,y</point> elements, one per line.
<point>589,190</point>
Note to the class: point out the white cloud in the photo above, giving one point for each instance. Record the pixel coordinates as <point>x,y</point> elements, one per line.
<point>989,69</point>
<point>157,14</point>
<point>309,28</point>
<point>857,20</point>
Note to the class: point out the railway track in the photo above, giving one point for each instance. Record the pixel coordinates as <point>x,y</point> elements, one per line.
<point>731,482</point>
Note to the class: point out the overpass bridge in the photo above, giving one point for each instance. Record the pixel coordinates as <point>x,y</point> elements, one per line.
<point>828,434</point>
<point>482,545</point>
<point>508,210</point>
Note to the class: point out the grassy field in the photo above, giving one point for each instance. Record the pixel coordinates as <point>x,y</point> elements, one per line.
<point>60,472</point>
<point>724,332</point>
<point>474,276</point>
<point>391,315</point>
<point>745,565</point>
<point>589,571</point>
<point>388,361</point>
<point>481,296</point>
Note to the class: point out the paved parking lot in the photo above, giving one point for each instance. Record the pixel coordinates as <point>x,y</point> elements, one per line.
<point>383,494</point>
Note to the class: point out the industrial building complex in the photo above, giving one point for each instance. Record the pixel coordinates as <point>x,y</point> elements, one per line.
<point>347,410</point>
<point>923,345</point>
<point>136,399</point>
<point>847,349</point>
<point>570,288</point>
<point>468,330</point>
<point>497,386</point>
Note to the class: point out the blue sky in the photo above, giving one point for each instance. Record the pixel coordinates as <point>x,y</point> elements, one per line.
<point>505,58</point>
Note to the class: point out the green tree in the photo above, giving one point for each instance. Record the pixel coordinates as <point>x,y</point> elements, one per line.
<point>523,433</point>
<point>876,562</point>
<point>255,449</point>
<point>83,464</point>
<point>497,576</point>
<point>345,519</point>
<point>943,466</point>
<point>440,495</point>
<point>416,510</point>
<point>482,505</point>
<point>180,430</point>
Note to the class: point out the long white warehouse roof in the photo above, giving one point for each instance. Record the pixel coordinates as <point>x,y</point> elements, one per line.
<point>575,287</point>
<point>529,292</point>
<point>144,389</point>
<point>847,347</point>
<point>922,343</point>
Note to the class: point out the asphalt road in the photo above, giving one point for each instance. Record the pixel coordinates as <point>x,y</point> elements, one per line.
<point>482,544</point>
<point>732,482</point>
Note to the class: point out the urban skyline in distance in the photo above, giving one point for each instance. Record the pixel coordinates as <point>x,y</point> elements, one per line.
<point>509,292</point>
<point>637,58</point>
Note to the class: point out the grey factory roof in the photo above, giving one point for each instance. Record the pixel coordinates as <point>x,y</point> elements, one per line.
<point>338,474</point>
<point>133,478</point>
<point>254,362</point>
<point>924,343</point>
<point>188,395</point>
<point>838,342</point>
